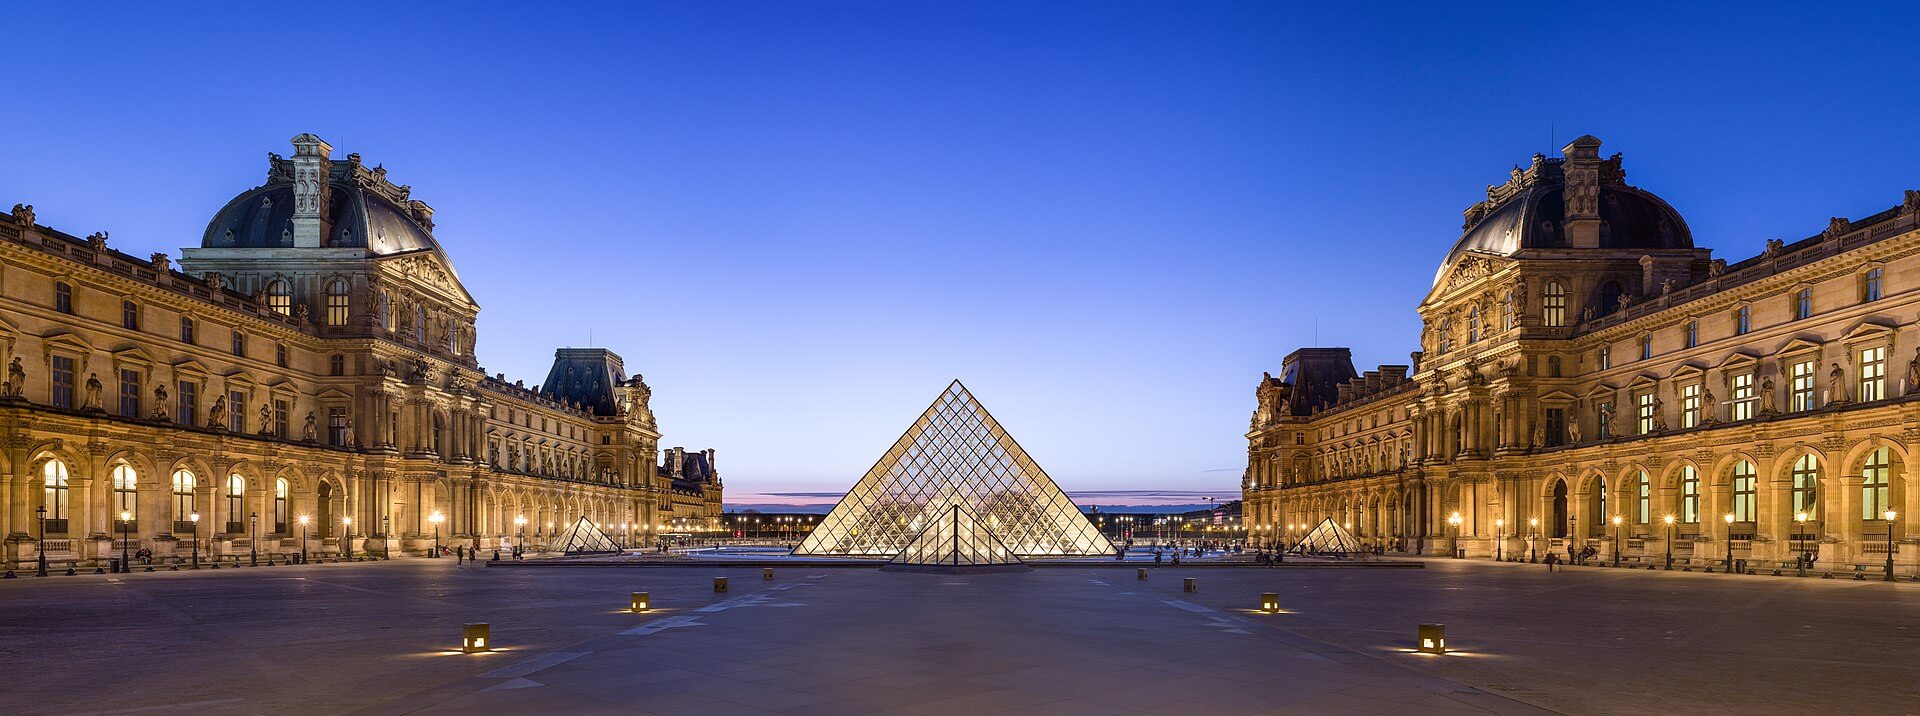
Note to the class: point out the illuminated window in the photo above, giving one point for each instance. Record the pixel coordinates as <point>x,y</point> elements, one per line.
<point>1800,386</point>
<point>1553,305</point>
<point>1744,509</point>
<point>53,477</point>
<point>1644,405</point>
<point>280,297</point>
<point>1806,484</point>
<point>236,503</point>
<point>184,503</point>
<point>1690,405</point>
<point>1873,373</point>
<point>125,499</point>
<point>338,309</point>
<point>1741,403</point>
<point>1689,495</point>
<point>1643,498</point>
<point>280,506</point>
<point>1873,490</point>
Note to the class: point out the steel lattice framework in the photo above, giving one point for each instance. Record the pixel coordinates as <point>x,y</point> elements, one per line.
<point>955,454</point>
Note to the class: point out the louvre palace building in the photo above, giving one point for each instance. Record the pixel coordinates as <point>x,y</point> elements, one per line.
<point>305,376</point>
<point>1588,377</point>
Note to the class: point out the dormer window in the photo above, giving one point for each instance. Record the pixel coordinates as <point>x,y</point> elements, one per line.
<point>1553,305</point>
<point>280,297</point>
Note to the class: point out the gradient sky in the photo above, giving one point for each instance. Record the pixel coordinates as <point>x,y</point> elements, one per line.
<point>800,220</point>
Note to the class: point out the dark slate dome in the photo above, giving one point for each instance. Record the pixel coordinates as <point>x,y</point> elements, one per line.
<point>1528,212</point>
<point>363,211</point>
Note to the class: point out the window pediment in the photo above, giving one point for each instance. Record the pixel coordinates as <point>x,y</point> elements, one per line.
<point>1687,371</point>
<point>1738,359</point>
<point>1799,344</point>
<point>1643,382</point>
<point>1871,329</point>
<point>1559,396</point>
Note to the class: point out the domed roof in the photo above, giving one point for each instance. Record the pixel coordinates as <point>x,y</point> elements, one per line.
<point>363,211</point>
<point>1529,212</point>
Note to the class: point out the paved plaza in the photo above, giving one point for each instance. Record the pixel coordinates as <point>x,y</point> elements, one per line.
<point>378,638</point>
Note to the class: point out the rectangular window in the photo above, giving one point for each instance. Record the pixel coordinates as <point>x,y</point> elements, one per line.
<point>239,344</point>
<point>63,382</point>
<point>1742,403</point>
<point>1553,305</point>
<point>1800,386</point>
<point>129,315</point>
<point>1873,486</point>
<point>1606,422</point>
<point>1646,346</point>
<point>1606,357</point>
<point>280,418</point>
<point>129,393</point>
<point>237,411</point>
<point>1743,492</point>
<point>1644,406</point>
<point>186,329</point>
<point>1870,285</point>
<point>189,402</point>
<point>1689,495</point>
<point>280,354</point>
<point>1803,304</point>
<point>337,426</point>
<point>1693,333</point>
<point>1644,501</point>
<point>1690,405</point>
<point>1556,426</point>
<point>1742,320</point>
<point>1873,373</point>
<point>63,298</point>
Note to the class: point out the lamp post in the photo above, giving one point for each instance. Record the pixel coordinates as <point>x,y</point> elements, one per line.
<point>303,539</point>
<point>521,522</point>
<point>1616,540</point>
<point>1454,520</point>
<point>1890,514</point>
<point>194,517</point>
<point>436,518</point>
<point>126,527</point>
<point>1533,535</point>
<point>253,541</point>
<point>41,570</point>
<point>1800,542</point>
<point>1669,520</point>
<point>1500,540</point>
<point>348,541</point>
<point>1728,518</point>
<point>386,536</point>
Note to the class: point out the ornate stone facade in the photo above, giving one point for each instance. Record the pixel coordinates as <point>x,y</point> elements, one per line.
<point>1582,361</point>
<point>313,357</point>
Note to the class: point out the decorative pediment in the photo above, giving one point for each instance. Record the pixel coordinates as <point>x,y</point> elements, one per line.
<point>1870,329</point>
<point>1797,344</point>
<point>1559,396</point>
<point>1738,359</point>
<point>1602,390</point>
<point>1687,371</point>
<point>334,394</point>
<point>1643,381</point>
<point>135,355</point>
<point>427,267</point>
<point>68,341</point>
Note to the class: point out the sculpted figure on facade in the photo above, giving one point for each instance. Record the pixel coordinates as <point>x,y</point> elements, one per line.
<point>1573,427</point>
<point>23,214</point>
<point>1539,433</point>
<point>217,415</point>
<point>1913,369</point>
<point>1836,385</point>
<point>93,393</point>
<point>16,377</point>
<point>1766,397</point>
<point>307,431</point>
<point>1659,415</point>
<point>1709,406</point>
<point>266,419</point>
<point>160,410</point>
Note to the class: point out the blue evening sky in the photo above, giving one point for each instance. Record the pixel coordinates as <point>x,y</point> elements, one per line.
<point>800,220</point>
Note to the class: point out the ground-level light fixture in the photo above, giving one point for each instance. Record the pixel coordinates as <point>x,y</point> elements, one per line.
<point>1141,573</point>
<point>1190,584</point>
<point>719,584</point>
<point>641,602</point>
<point>1432,638</point>
<point>766,573</point>
<point>476,638</point>
<point>1270,602</point>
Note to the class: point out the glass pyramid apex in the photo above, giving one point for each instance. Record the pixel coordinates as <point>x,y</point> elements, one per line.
<point>955,455</point>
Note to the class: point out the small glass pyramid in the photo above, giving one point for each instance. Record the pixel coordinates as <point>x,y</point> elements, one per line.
<point>957,541</point>
<point>1327,538</point>
<point>955,455</point>
<point>582,537</point>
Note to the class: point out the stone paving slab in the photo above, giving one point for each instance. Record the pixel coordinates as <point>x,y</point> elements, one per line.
<point>377,638</point>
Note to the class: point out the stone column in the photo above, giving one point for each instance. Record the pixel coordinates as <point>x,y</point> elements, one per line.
<point>18,482</point>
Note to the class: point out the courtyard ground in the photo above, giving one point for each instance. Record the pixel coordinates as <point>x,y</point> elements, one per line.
<point>379,638</point>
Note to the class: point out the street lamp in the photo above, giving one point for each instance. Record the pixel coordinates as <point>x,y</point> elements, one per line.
<point>1669,520</point>
<point>1728,518</point>
<point>1454,520</point>
<point>126,527</point>
<point>1533,533</point>
<point>436,518</point>
<point>386,536</point>
<point>1616,540</point>
<point>194,517</point>
<point>303,539</point>
<point>1890,514</point>
<point>348,541</point>
<point>42,570</point>
<point>521,522</point>
<point>1800,540</point>
<point>253,542</point>
<point>1500,540</point>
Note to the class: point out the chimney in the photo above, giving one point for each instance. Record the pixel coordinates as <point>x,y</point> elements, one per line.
<point>312,167</point>
<point>675,461</point>
<point>711,470</point>
<point>1582,192</point>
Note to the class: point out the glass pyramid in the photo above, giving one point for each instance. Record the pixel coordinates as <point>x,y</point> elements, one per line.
<point>956,454</point>
<point>1327,538</point>
<point>956,540</point>
<point>582,537</point>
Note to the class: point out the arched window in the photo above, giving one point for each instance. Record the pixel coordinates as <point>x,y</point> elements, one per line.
<point>1744,505</point>
<point>125,481</point>
<point>1806,485</point>
<point>1689,495</point>
<point>1643,499</point>
<point>1506,312</point>
<point>1873,490</point>
<point>1553,305</point>
<point>183,500</point>
<point>337,307</point>
<point>53,475</point>
<point>236,503</point>
<point>1473,324</point>
<point>62,297</point>
<point>1446,335</point>
<point>280,297</point>
<point>280,506</point>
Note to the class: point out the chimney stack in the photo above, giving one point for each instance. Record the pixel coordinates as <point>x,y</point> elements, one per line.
<point>312,168</point>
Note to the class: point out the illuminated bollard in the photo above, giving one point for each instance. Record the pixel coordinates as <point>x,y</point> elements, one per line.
<point>766,573</point>
<point>641,602</point>
<point>474,637</point>
<point>1192,584</point>
<point>1141,573</point>
<point>1433,638</point>
<point>1270,602</point>
<point>719,584</point>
